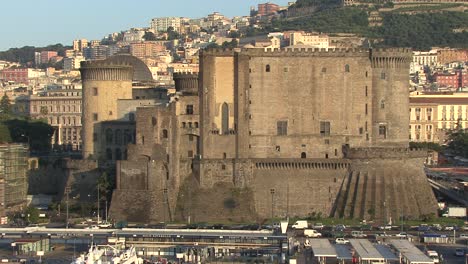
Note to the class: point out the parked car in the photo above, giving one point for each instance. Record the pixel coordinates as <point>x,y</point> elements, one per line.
<point>402,235</point>
<point>464,236</point>
<point>340,228</point>
<point>459,252</point>
<point>341,241</point>
<point>318,226</point>
<point>386,227</point>
<point>423,228</point>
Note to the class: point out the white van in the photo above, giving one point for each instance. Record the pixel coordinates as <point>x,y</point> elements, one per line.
<point>300,224</point>
<point>312,233</point>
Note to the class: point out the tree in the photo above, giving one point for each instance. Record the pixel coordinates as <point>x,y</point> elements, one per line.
<point>105,185</point>
<point>5,105</point>
<point>149,36</point>
<point>458,142</point>
<point>32,214</point>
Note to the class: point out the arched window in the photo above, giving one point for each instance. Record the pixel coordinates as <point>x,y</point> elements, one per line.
<point>109,135</point>
<point>346,68</point>
<point>118,137</point>
<point>303,155</point>
<point>165,134</point>
<point>225,118</point>
<point>154,121</point>
<point>118,154</point>
<point>127,137</point>
<point>267,68</point>
<point>184,124</point>
<point>382,104</point>
<point>108,154</point>
<point>196,124</point>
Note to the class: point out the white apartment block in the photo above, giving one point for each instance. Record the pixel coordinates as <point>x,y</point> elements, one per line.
<point>161,24</point>
<point>309,39</point>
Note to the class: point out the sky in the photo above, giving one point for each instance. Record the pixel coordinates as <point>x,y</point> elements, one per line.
<point>44,22</point>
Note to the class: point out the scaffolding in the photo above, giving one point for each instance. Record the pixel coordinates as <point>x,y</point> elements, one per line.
<point>14,169</point>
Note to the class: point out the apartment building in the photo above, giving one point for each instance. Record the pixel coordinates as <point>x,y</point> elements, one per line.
<point>432,115</point>
<point>61,108</point>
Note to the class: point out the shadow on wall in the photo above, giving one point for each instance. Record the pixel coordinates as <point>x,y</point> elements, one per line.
<point>221,203</point>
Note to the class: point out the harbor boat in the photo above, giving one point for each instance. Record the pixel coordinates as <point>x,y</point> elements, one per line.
<point>106,254</point>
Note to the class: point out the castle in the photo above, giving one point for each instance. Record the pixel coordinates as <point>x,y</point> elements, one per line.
<point>276,133</point>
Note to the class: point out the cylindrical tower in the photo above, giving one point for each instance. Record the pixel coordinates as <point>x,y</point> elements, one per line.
<point>390,99</point>
<point>103,84</point>
<point>187,83</point>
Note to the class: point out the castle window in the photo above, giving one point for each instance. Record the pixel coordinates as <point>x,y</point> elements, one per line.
<point>303,155</point>
<point>95,117</point>
<point>278,148</point>
<point>336,152</point>
<point>382,104</point>
<point>365,126</point>
<point>346,67</point>
<point>109,135</point>
<point>383,131</point>
<point>190,153</point>
<point>366,111</point>
<point>183,124</point>
<point>118,137</point>
<point>267,68</point>
<point>366,74</point>
<point>224,155</point>
<point>366,91</point>
<point>282,128</point>
<point>154,121</point>
<point>324,70</point>
<point>189,110</point>
<point>225,118</point>
<point>196,124</point>
<point>382,75</point>
<point>190,124</point>
<point>361,131</point>
<point>108,154</point>
<point>324,128</point>
<point>95,92</point>
<point>118,154</point>
<point>223,167</point>
<point>326,156</point>
<point>110,112</point>
<point>165,134</point>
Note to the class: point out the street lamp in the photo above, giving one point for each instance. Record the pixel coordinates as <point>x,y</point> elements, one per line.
<point>164,203</point>
<point>272,192</point>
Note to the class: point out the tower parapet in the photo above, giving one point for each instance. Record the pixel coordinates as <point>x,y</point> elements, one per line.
<point>99,71</point>
<point>391,58</point>
<point>186,83</point>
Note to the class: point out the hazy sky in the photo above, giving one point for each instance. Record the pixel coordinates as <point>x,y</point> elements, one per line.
<point>42,22</point>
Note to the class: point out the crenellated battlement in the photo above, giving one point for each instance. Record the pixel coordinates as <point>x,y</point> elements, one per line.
<point>378,153</point>
<point>186,82</point>
<point>391,57</point>
<point>308,164</point>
